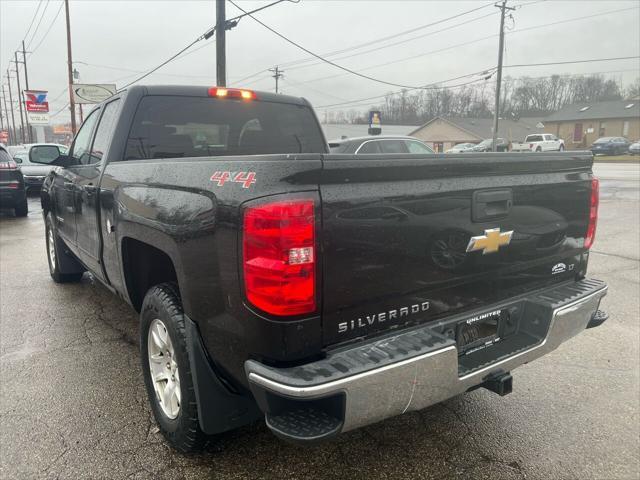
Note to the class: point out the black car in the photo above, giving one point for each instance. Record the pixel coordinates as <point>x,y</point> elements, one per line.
<point>12,190</point>
<point>487,146</point>
<point>379,144</point>
<point>610,146</point>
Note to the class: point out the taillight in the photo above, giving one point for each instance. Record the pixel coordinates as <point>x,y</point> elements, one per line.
<point>279,257</point>
<point>221,92</point>
<point>593,213</point>
<point>8,165</point>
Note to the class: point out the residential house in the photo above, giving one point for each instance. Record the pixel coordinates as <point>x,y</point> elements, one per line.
<point>442,133</point>
<point>581,124</point>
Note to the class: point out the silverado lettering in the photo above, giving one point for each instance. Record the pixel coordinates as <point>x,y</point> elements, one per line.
<point>382,317</point>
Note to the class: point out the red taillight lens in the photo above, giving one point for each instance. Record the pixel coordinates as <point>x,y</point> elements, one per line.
<point>593,213</point>
<point>279,261</point>
<point>8,165</point>
<point>221,92</point>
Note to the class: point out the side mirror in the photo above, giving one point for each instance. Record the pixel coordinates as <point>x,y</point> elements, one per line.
<point>44,154</point>
<point>17,160</point>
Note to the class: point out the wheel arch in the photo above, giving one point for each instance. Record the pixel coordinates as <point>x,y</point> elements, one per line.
<point>145,264</point>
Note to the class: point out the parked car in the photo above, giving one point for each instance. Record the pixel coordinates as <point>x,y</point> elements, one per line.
<point>486,146</point>
<point>634,148</point>
<point>34,171</point>
<point>378,145</point>
<point>12,190</point>
<point>461,147</point>
<point>539,142</point>
<point>322,292</point>
<point>610,146</point>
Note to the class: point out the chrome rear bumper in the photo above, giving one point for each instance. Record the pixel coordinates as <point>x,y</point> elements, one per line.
<point>411,370</point>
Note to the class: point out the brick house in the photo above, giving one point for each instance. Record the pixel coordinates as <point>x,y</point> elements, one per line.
<point>582,124</point>
<point>442,133</point>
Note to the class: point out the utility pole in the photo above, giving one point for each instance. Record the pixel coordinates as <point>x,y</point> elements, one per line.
<point>6,112</point>
<point>72,105</point>
<point>221,49</point>
<point>26,86</point>
<point>1,118</point>
<point>277,74</point>
<point>24,137</point>
<point>14,137</point>
<point>503,8</point>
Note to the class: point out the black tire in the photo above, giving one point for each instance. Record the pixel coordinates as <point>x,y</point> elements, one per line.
<point>22,208</point>
<point>61,256</point>
<point>539,149</point>
<point>163,302</point>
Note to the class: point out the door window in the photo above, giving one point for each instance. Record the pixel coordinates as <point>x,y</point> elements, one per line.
<point>394,146</point>
<point>103,133</point>
<point>417,147</point>
<point>370,147</point>
<point>80,147</point>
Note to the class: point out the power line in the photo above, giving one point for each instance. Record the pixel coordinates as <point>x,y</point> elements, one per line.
<point>394,36</point>
<point>205,36</point>
<point>451,47</point>
<point>488,75</point>
<point>571,62</point>
<point>353,72</point>
<point>33,19</point>
<point>375,50</point>
<point>48,29</point>
<point>44,10</point>
<point>477,81</point>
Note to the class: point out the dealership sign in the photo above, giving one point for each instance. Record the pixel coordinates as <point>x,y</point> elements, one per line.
<point>37,107</point>
<point>94,93</point>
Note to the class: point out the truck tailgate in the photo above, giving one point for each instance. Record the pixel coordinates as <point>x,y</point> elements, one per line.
<point>411,239</point>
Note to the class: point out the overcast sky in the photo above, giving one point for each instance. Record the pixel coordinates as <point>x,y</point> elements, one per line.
<point>115,39</point>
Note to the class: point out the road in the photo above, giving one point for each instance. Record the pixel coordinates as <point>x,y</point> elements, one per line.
<point>72,402</point>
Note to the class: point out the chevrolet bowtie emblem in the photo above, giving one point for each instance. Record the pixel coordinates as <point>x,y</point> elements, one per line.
<point>490,242</point>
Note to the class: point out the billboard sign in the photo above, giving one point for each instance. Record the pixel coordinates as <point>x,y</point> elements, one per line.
<point>37,107</point>
<point>92,93</point>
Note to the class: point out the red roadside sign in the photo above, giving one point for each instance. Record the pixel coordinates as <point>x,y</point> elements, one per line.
<point>4,136</point>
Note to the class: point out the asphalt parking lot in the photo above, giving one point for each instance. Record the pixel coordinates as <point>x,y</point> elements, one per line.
<point>73,405</point>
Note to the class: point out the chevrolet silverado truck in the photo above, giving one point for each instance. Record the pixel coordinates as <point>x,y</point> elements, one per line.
<point>322,292</point>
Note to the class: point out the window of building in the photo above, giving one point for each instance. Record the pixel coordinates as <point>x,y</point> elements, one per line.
<point>603,129</point>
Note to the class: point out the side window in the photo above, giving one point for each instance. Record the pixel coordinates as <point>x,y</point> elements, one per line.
<point>103,133</point>
<point>394,146</point>
<point>417,147</point>
<point>370,147</point>
<point>80,147</point>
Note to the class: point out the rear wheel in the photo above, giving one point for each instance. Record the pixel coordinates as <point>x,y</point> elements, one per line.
<point>22,209</point>
<point>57,255</point>
<point>539,149</point>
<point>166,368</point>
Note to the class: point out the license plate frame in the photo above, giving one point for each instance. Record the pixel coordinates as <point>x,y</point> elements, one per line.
<point>478,332</point>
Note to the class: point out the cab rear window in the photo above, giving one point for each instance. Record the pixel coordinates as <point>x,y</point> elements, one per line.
<point>177,126</point>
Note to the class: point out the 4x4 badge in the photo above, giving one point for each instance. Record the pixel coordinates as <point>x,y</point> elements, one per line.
<point>490,242</point>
